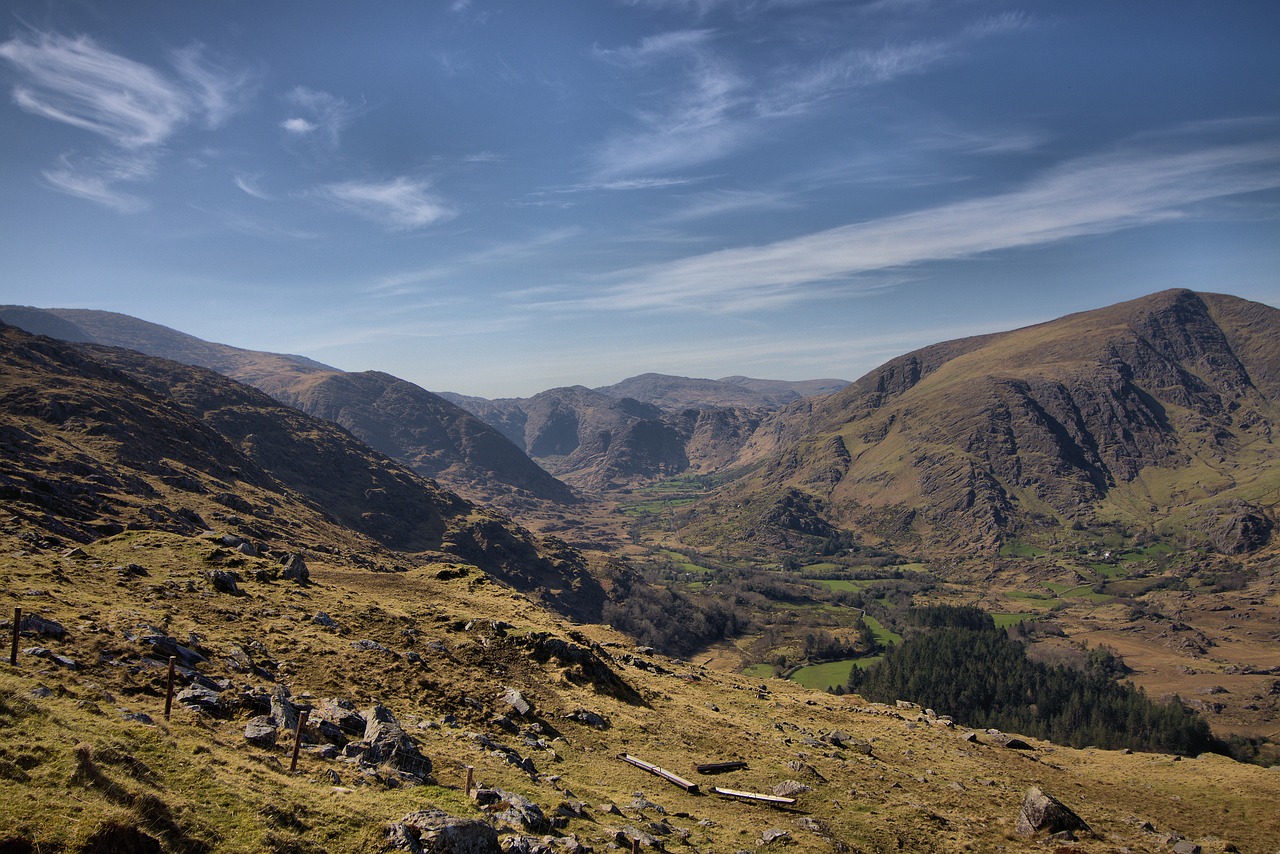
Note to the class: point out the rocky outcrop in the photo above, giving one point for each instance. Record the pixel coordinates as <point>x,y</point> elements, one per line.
<point>437,832</point>
<point>1043,813</point>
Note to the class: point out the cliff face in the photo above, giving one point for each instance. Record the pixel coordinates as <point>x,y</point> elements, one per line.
<point>1167,401</point>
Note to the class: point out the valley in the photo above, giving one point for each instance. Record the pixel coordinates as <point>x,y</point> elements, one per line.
<point>681,570</point>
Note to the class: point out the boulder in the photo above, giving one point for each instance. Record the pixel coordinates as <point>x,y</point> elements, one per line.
<point>437,832</point>
<point>1043,813</point>
<point>201,699</point>
<point>391,746</point>
<point>283,711</point>
<point>517,702</point>
<point>33,624</point>
<point>260,731</point>
<point>224,581</point>
<point>324,620</point>
<point>295,568</point>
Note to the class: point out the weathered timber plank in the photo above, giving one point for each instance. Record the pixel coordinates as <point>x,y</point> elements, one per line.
<point>674,779</point>
<point>754,796</point>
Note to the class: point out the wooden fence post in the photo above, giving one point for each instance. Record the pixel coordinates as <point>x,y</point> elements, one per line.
<point>297,739</point>
<point>470,779</point>
<point>168,691</point>
<point>17,623</point>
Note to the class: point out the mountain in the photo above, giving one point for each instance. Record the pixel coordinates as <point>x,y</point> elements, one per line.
<point>435,438</point>
<point>595,441</point>
<point>679,393</point>
<point>99,440</point>
<point>642,429</point>
<point>1152,415</point>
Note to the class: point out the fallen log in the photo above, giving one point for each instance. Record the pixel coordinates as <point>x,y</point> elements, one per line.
<point>754,796</point>
<point>720,767</point>
<point>674,779</point>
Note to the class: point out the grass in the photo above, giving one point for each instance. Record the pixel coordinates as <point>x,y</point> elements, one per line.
<point>824,566</point>
<point>883,635</point>
<point>1005,620</point>
<point>654,507</point>
<point>759,671</point>
<point>683,562</point>
<point>824,676</point>
<point>1017,548</point>
<point>844,585</point>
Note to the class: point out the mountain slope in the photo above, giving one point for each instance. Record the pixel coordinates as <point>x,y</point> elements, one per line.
<point>99,439</point>
<point>434,437</point>
<point>1164,405</point>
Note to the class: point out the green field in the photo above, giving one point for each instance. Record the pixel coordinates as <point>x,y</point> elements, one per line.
<point>682,562</point>
<point>1017,548</point>
<point>844,585</point>
<point>824,676</point>
<point>883,635</point>
<point>759,671</point>
<point>825,566</point>
<point>1005,620</point>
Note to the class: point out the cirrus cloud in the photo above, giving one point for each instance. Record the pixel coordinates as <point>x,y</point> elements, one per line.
<point>402,203</point>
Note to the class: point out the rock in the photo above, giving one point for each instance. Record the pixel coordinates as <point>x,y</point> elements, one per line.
<point>1042,812</point>
<point>1012,742</point>
<point>33,624</point>
<point>1185,846</point>
<point>247,549</point>
<point>323,619</point>
<point>517,702</point>
<point>437,832</point>
<point>589,718</point>
<point>773,835</point>
<point>75,553</point>
<point>167,646</point>
<point>50,655</point>
<point>260,731</point>
<point>224,581</point>
<point>520,812</point>
<point>790,788</point>
<point>391,746</point>
<point>295,568</point>
<point>201,699</point>
<point>370,646</point>
<point>283,711</point>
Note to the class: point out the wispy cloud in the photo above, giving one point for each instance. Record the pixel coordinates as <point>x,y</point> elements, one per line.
<point>721,202</point>
<point>249,185</point>
<point>709,105</point>
<point>402,203</point>
<point>135,107</point>
<point>96,179</point>
<point>219,90</point>
<point>318,115</point>
<point>78,82</point>
<point>1094,195</point>
<point>73,80</point>
<point>399,284</point>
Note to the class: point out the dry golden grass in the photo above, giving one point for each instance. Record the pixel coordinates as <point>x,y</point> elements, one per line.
<point>70,764</point>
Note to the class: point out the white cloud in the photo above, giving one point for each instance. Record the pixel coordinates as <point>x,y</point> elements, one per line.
<point>73,80</point>
<point>1089,196</point>
<point>720,202</point>
<point>402,203</point>
<point>249,184</point>
<point>95,179</point>
<point>220,92</point>
<point>318,114</point>
<point>299,126</point>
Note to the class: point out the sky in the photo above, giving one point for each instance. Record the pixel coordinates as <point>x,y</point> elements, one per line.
<point>496,198</point>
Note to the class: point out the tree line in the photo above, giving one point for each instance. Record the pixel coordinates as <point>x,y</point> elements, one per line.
<point>958,663</point>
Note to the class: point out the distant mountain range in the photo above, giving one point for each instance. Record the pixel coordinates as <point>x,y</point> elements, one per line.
<point>639,430</point>
<point>1153,418</point>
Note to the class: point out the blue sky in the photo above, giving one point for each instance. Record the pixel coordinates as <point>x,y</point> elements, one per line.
<point>501,197</point>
